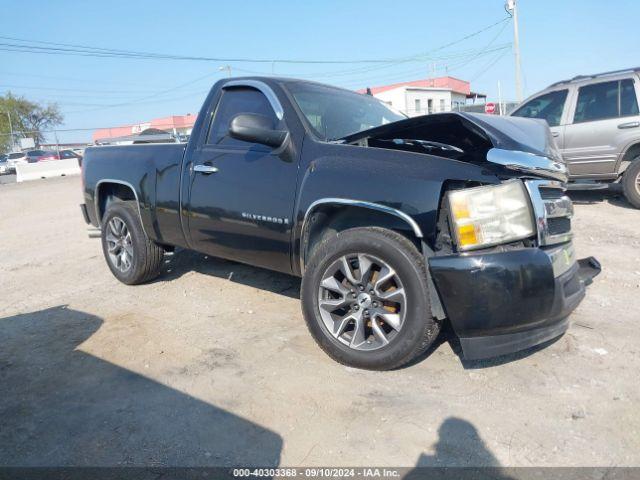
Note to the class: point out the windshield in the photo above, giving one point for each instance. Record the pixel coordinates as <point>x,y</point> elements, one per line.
<point>334,113</point>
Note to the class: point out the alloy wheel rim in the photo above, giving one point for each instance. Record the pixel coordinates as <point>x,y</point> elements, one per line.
<point>638,183</point>
<point>362,301</point>
<point>119,246</point>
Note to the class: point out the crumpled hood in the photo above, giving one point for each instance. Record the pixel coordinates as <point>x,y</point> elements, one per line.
<point>521,144</point>
<point>518,134</point>
<point>507,133</point>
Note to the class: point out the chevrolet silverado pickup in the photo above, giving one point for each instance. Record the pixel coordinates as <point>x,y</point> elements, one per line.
<point>395,224</point>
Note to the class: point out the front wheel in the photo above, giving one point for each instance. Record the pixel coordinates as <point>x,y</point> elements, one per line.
<point>131,256</point>
<point>631,183</point>
<point>365,299</point>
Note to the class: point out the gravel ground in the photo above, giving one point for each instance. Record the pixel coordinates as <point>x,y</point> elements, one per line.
<point>212,364</point>
<point>7,178</point>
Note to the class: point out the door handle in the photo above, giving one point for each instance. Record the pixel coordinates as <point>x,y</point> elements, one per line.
<point>205,169</point>
<point>629,125</point>
<point>555,134</point>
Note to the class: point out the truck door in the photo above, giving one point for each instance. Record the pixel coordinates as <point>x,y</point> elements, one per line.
<point>241,195</point>
<point>604,113</point>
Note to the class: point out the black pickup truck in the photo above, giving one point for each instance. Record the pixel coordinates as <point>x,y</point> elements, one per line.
<point>395,224</point>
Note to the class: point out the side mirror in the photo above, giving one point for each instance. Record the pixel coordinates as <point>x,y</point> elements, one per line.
<point>254,128</point>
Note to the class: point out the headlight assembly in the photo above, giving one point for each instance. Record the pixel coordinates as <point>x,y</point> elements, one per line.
<point>490,215</point>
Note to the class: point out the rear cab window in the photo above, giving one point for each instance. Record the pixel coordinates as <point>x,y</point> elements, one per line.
<point>547,107</point>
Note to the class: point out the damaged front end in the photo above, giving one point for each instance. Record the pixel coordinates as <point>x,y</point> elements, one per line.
<point>509,277</point>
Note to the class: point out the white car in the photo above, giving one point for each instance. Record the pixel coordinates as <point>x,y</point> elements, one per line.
<point>15,158</point>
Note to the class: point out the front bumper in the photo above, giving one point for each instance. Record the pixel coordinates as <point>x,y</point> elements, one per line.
<point>503,302</point>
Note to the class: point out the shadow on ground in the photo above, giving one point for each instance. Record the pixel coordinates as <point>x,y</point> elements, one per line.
<point>61,406</point>
<point>184,261</point>
<point>589,197</point>
<point>459,453</point>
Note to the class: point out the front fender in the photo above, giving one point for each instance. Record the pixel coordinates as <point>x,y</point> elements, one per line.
<point>409,184</point>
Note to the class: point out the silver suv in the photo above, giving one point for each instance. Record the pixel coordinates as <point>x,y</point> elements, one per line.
<point>596,125</point>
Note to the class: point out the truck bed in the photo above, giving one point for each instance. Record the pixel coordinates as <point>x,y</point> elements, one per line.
<point>151,170</point>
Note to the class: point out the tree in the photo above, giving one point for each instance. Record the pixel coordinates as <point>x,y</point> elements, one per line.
<point>28,119</point>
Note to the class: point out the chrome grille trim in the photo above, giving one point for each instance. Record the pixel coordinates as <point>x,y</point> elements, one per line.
<point>558,207</point>
<point>529,163</point>
<point>549,201</point>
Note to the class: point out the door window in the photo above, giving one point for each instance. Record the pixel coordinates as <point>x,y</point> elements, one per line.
<point>547,107</point>
<point>233,102</point>
<point>597,102</point>
<point>606,100</point>
<point>628,100</point>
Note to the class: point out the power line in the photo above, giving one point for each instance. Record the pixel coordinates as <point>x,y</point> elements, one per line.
<point>404,74</point>
<point>487,67</point>
<point>71,89</point>
<point>142,99</point>
<point>56,48</point>
<point>76,79</point>
<point>91,52</point>
<point>368,65</point>
<point>363,70</point>
<point>466,57</point>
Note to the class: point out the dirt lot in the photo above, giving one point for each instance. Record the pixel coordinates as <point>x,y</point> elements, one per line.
<point>212,364</point>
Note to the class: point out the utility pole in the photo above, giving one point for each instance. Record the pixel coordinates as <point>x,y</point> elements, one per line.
<point>513,9</point>
<point>10,130</point>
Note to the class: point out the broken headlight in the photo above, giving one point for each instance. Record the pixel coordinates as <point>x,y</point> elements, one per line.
<point>490,215</point>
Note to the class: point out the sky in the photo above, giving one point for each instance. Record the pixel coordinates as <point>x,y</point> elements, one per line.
<point>409,40</point>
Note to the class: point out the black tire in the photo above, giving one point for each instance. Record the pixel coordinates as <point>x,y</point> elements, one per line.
<point>147,257</point>
<point>419,329</point>
<point>631,183</point>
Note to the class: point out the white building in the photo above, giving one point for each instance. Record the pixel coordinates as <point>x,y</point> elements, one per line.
<point>433,95</point>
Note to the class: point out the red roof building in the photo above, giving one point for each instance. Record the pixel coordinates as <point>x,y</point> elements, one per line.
<point>431,95</point>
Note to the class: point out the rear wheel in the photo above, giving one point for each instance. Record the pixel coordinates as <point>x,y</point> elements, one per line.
<point>631,183</point>
<point>365,299</point>
<point>131,256</point>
